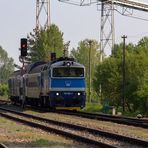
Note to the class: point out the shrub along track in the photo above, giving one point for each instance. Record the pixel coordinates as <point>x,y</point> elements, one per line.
<point>104,117</point>
<point>76,132</point>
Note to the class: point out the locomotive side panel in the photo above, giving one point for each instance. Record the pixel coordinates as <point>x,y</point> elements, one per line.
<point>45,80</point>
<point>14,86</point>
<point>33,85</point>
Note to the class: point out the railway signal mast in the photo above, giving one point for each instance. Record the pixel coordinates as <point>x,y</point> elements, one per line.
<point>42,14</point>
<point>107,32</point>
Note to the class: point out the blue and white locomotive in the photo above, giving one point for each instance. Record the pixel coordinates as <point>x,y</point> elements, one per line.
<point>59,84</point>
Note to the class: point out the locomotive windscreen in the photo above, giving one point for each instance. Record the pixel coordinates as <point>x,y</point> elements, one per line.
<point>68,72</point>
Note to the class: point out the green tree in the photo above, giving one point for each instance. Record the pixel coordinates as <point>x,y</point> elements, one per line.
<point>42,43</point>
<point>81,54</point>
<point>135,73</point>
<point>6,66</point>
<point>109,75</point>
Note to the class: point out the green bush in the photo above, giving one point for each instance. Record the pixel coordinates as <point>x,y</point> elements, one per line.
<point>3,89</point>
<point>92,107</point>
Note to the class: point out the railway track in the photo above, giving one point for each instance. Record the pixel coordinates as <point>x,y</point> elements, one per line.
<point>104,117</point>
<point>4,101</point>
<point>3,146</point>
<point>121,140</point>
<point>117,119</point>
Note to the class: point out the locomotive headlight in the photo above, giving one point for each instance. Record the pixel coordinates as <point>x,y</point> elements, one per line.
<point>79,93</point>
<point>68,64</point>
<point>57,94</point>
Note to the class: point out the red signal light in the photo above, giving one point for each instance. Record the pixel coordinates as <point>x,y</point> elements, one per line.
<point>23,43</point>
<point>23,47</point>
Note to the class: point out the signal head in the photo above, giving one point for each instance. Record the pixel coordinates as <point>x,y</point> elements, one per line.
<point>23,47</point>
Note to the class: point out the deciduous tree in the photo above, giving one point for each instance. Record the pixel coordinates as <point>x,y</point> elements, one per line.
<point>6,66</point>
<point>42,43</point>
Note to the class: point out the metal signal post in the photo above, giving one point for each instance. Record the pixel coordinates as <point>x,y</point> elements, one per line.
<point>90,48</point>
<point>23,49</point>
<point>123,74</point>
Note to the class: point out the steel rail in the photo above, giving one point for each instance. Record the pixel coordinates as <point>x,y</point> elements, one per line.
<point>121,120</point>
<point>117,119</point>
<point>143,121</point>
<point>82,128</point>
<point>4,101</point>
<point>3,145</point>
<point>60,132</point>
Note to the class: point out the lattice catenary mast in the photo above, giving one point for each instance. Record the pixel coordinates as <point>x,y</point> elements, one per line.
<point>42,14</point>
<point>107,33</point>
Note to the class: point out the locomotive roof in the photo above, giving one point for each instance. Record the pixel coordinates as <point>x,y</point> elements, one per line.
<point>32,66</point>
<point>37,68</point>
<point>62,60</point>
<point>16,73</point>
<point>63,63</point>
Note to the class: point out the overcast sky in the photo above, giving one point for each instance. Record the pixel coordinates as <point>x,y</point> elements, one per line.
<point>17,19</point>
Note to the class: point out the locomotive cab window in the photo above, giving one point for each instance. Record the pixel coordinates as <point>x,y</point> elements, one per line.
<point>68,72</point>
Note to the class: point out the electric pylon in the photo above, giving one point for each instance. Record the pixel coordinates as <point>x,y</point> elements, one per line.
<point>107,33</point>
<point>42,14</point>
